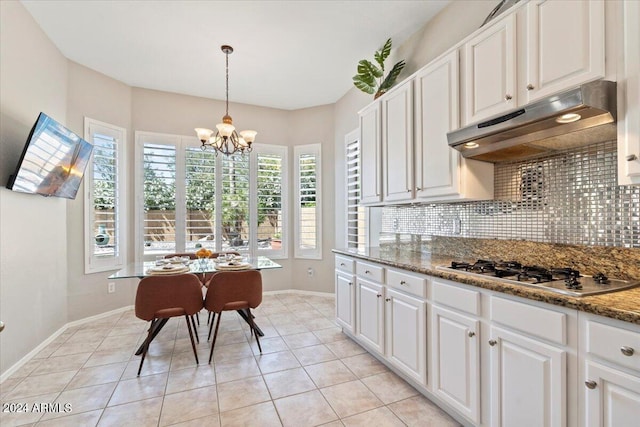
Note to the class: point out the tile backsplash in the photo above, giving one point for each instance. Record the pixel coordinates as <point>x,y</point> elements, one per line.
<point>568,198</point>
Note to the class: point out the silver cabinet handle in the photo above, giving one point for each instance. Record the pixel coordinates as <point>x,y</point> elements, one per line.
<point>350,283</point>
<point>471,334</point>
<point>591,384</point>
<point>1,326</point>
<point>402,282</point>
<point>387,299</point>
<point>493,342</point>
<point>342,264</point>
<point>508,97</point>
<point>418,189</point>
<point>627,351</point>
<point>379,295</point>
<point>631,157</point>
<point>530,87</point>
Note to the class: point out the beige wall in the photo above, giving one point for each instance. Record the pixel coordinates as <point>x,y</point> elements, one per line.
<point>93,95</point>
<point>33,247</point>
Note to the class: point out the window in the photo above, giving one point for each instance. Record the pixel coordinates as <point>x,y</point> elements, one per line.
<point>193,198</point>
<point>159,197</point>
<point>308,219</point>
<point>105,208</point>
<point>356,214</point>
<point>271,209</point>
<point>200,222</point>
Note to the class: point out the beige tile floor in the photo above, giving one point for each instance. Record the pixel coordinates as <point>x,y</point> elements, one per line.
<point>309,374</point>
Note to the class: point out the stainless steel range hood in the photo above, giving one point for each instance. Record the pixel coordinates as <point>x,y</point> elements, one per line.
<point>543,127</point>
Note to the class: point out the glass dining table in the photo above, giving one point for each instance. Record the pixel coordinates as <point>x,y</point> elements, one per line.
<point>196,266</point>
<point>201,267</point>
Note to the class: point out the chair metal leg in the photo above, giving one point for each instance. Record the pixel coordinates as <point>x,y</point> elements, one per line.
<point>198,320</point>
<point>215,335</point>
<point>209,318</point>
<point>211,324</point>
<point>145,345</point>
<point>193,344</point>
<point>250,317</point>
<point>195,330</point>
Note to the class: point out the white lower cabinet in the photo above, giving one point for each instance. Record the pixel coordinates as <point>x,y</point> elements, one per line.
<point>345,300</point>
<point>406,332</point>
<point>612,398</point>
<point>370,314</point>
<point>491,359</point>
<point>610,381</point>
<point>528,381</point>
<point>455,360</point>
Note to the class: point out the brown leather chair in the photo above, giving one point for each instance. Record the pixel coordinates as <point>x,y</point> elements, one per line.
<point>191,255</point>
<point>233,290</point>
<point>161,297</point>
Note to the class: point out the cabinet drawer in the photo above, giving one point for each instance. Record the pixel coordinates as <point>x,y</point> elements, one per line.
<point>345,264</point>
<point>370,271</point>
<point>617,345</point>
<point>456,297</point>
<point>407,282</point>
<point>541,322</point>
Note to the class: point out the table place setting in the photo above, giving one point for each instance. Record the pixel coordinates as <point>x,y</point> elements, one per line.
<point>169,268</point>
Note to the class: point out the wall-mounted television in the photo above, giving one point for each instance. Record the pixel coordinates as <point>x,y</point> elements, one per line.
<point>53,161</point>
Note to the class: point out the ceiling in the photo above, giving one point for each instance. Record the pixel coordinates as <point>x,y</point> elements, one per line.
<point>287,54</point>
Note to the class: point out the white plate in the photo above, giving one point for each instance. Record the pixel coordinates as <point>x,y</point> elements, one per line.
<point>234,265</point>
<point>169,269</point>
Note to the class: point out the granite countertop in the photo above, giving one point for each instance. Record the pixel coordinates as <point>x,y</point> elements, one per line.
<point>621,305</point>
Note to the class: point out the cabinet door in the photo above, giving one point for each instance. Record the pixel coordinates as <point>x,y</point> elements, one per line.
<point>370,152</point>
<point>614,400</point>
<point>455,359</point>
<point>490,70</point>
<point>345,308</point>
<point>397,143</point>
<point>370,314</point>
<point>406,332</point>
<point>528,381</point>
<point>629,96</point>
<point>565,45</point>
<point>436,103</point>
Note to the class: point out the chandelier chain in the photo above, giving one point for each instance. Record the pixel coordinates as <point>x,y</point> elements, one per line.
<point>227,81</point>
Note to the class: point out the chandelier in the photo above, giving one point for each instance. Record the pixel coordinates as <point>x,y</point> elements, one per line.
<point>226,140</point>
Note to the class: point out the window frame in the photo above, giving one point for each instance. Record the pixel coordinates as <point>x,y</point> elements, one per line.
<point>300,252</point>
<point>94,263</point>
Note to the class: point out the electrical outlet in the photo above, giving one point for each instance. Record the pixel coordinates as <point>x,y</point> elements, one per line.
<point>111,288</point>
<point>310,272</point>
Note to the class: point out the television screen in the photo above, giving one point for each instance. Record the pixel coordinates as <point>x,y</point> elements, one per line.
<point>53,161</point>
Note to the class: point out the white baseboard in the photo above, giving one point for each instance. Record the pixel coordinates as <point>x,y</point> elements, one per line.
<point>20,363</point>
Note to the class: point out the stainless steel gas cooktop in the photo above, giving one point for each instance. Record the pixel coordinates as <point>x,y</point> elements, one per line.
<point>563,280</point>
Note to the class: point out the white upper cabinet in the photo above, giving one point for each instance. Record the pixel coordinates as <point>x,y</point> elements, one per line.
<point>370,149</point>
<point>559,44</point>
<point>397,143</point>
<point>565,45</point>
<point>629,95</point>
<point>441,173</point>
<point>490,70</point>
